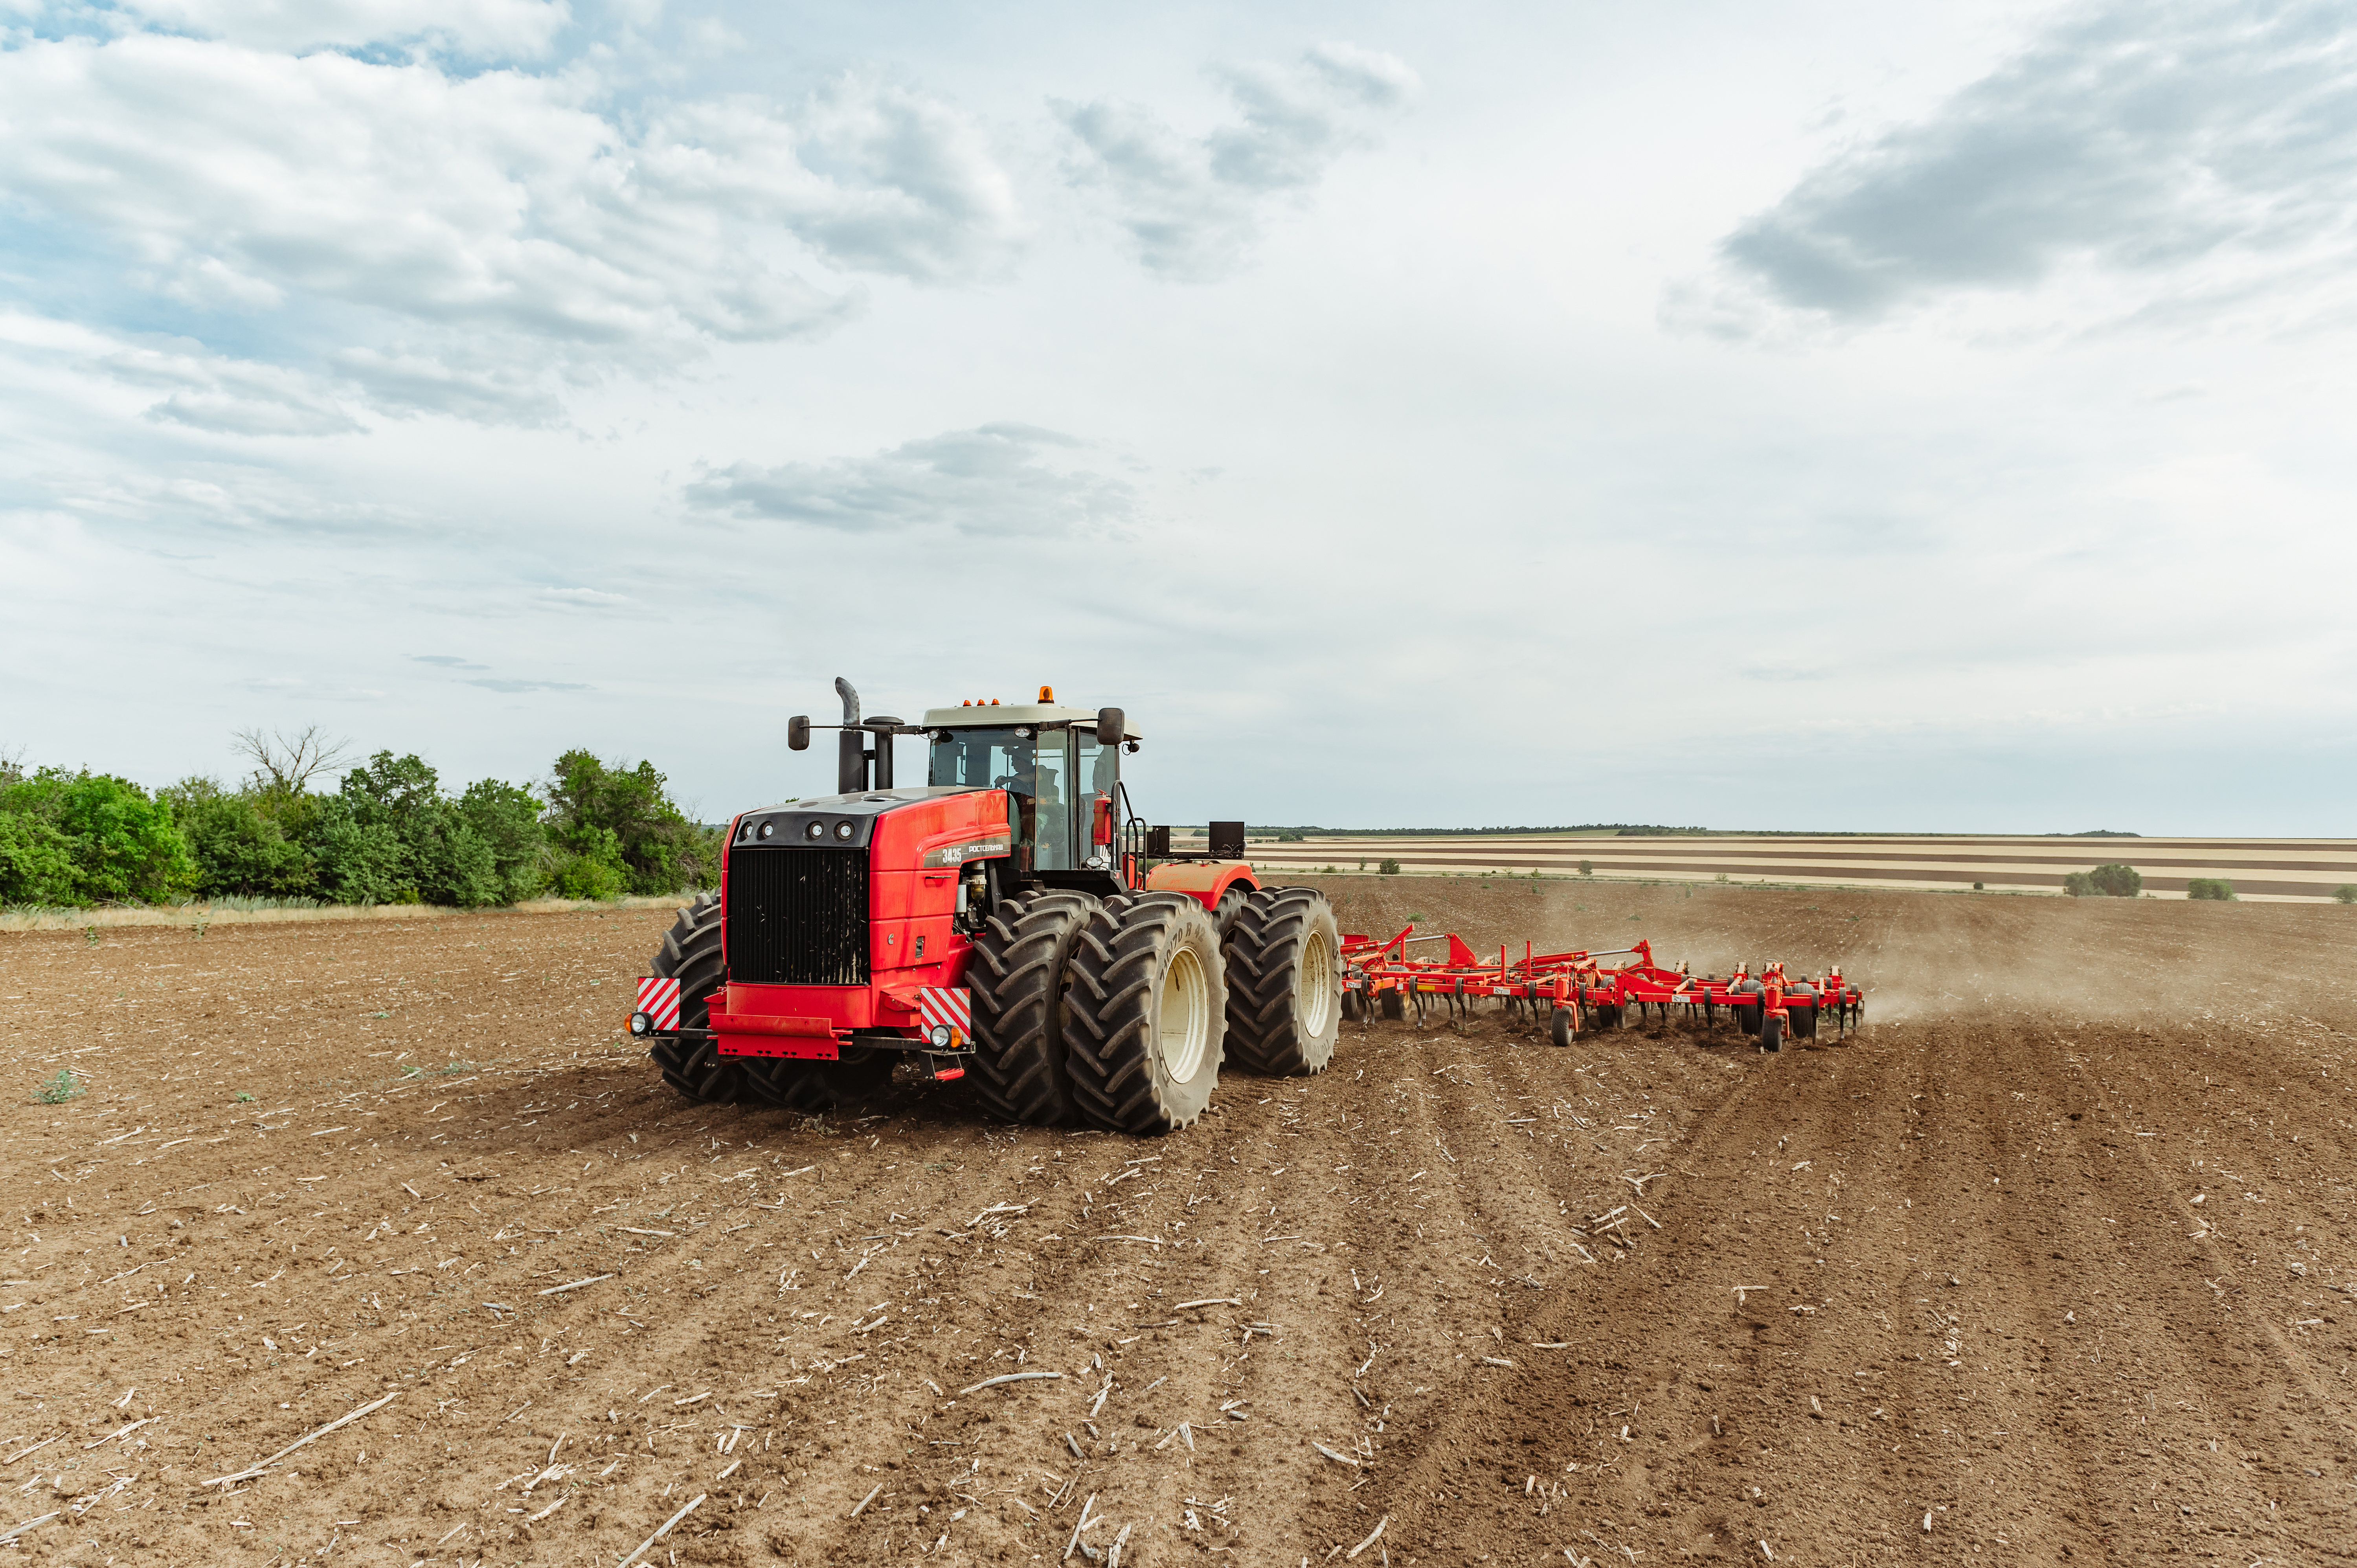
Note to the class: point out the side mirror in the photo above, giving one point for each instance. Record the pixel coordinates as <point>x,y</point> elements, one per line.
<point>1109,723</point>
<point>798,733</point>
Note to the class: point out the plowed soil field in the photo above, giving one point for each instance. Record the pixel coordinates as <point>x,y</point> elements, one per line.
<point>2050,1261</point>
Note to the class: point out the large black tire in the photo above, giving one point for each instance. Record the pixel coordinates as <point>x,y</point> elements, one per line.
<point>1804,1023</point>
<point>1563,1027</point>
<point>1284,966</point>
<point>1232,904</point>
<point>1392,1004</point>
<point>1771,1032</point>
<point>1016,980</point>
<point>1144,1014</point>
<point>1354,1006</point>
<point>690,954</point>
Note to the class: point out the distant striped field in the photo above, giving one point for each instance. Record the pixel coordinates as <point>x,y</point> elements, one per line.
<point>2274,869</point>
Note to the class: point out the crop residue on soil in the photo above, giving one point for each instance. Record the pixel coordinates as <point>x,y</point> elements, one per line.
<point>2048,1262</point>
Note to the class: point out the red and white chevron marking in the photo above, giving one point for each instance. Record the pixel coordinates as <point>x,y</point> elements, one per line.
<point>659,1000</point>
<point>937,1004</point>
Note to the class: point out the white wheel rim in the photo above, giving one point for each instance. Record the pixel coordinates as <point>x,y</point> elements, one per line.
<point>1186,1024</point>
<point>1313,986</point>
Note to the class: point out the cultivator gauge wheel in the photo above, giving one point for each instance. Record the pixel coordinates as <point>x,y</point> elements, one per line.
<point>691,955</point>
<point>1017,979</point>
<point>1771,1032</point>
<point>1561,1031</point>
<point>1144,1014</point>
<point>1284,980</point>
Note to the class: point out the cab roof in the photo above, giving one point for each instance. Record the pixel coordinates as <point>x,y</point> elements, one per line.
<point>1032,713</point>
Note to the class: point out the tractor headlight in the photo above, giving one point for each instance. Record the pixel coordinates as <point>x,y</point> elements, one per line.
<point>940,1035</point>
<point>642,1023</point>
<point>844,830</point>
<point>814,831</point>
<point>768,827</point>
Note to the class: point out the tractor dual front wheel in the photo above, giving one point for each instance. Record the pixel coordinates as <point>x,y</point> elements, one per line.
<point>1145,1025</point>
<point>1285,977</point>
<point>691,955</point>
<point>1017,979</point>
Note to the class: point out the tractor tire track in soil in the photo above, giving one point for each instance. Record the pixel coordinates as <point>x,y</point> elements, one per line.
<point>2051,1256</point>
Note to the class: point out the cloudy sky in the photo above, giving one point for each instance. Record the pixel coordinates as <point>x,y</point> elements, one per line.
<point>1816,415</point>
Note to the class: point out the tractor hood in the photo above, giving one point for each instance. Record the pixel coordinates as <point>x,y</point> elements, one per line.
<point>792,823</point>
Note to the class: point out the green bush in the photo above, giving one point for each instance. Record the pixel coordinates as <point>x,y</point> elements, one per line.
<point>2346,893</point>
<point>1588,868</point>
<point>588,876</point>
<point>1388,868</point>
<point>2112,880</point>
<point>2209,888</point>
<point>59,1090</point>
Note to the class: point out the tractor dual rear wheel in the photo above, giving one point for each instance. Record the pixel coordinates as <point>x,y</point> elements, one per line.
<point>1017,979</point>
<point>1285,977</point>
<point>1144,1014</point>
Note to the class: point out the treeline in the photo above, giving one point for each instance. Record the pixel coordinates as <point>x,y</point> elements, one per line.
<point>387,833</point>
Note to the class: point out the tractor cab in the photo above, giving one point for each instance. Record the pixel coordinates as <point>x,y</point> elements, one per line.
<point>1062,771</point>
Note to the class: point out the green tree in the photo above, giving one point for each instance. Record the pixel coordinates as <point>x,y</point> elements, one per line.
<point>622,818</point>
<point>2209,888</point>
<point>506,817</point>
<point>396,838</point>
<point>240,847</point>
<point>122,841</point>
<point>37,863</point>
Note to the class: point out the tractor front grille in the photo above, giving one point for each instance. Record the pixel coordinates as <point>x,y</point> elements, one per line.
<point>798,917</point>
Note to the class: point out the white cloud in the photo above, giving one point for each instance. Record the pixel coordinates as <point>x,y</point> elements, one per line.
<point>501,28</point>
<point>999,480</point>
<point>1192,206</point>
<point>499,223</point>
<point>238,397</point>
<point>2167,164</point>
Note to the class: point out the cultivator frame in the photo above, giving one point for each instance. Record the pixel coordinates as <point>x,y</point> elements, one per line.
<point>1577,991</point>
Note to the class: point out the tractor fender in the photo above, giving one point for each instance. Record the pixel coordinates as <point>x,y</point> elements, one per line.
<point>1206,881</point>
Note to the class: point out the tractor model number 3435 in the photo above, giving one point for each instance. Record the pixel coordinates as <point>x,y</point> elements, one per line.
<point>1010,922</point>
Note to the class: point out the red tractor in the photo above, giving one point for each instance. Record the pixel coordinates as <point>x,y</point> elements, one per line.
<point>1009,923</point>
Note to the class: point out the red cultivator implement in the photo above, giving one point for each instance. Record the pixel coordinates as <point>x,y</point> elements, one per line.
<point>1578,990</point>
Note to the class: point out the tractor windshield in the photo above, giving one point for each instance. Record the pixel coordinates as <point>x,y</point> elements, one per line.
<point>1035,767</point>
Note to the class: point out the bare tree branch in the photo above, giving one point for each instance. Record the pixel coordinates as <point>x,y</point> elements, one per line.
<point>286,763</point>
